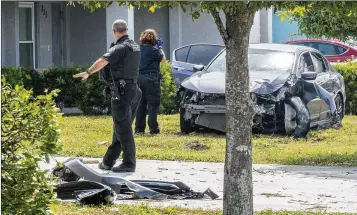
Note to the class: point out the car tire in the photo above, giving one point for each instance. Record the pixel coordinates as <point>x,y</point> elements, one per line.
<point>185,125</point>
<point>339,107</point>
<point>299,126</point>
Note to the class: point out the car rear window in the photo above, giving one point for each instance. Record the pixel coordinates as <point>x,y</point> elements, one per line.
<point>181,54</point>
<point>202,54</point>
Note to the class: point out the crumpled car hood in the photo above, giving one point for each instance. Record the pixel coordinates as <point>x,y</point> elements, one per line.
<point>214,82</point>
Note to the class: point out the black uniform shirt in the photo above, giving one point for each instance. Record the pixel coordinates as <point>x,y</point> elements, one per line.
<point>124,58</point>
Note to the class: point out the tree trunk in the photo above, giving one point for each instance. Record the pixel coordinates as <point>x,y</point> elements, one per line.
<point>238,187</point>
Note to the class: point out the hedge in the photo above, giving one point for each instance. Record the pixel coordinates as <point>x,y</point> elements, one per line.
<point>90,95</point>
<point>349,73</point>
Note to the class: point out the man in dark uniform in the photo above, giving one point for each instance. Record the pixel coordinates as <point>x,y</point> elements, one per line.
<point>121,69</point>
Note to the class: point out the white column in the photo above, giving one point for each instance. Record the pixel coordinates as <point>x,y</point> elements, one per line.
<point>270,25</point>
<point>131,23</point>
<point>115,12</point>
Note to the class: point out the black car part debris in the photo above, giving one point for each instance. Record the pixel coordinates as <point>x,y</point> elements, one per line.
<point>134,189</point>
<point>85,192</point>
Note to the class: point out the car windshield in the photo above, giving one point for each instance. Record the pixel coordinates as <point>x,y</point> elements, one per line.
<point>259,60</point>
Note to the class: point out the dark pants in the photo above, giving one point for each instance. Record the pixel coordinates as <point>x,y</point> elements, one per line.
<point>149,103</point>
<point>123,113</point>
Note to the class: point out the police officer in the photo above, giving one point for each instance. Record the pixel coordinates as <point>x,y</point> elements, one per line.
<point>149,81</point>
<point>120,73</point>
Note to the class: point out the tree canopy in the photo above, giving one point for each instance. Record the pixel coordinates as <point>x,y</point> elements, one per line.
<point>327,19</point>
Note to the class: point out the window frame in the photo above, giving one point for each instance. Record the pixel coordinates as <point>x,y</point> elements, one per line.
<point>297,72</point>
<point>324,66</point>
<point>30,5</point>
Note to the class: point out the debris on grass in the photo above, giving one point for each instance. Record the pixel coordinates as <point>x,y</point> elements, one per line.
<point>197,146</point>
<point>102,143</point>
<point>273,195</point>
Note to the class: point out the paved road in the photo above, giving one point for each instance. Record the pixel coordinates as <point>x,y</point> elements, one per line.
<point>276,187</point>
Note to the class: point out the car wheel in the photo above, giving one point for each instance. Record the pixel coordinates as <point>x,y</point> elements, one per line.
<point>339,107</point>
<point>185,125</point>
<point>297,118</point>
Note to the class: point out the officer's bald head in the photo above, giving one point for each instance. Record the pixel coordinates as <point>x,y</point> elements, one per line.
<point>120,26</point>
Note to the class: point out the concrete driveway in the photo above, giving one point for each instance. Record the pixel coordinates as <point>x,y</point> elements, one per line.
<point>277,187</point>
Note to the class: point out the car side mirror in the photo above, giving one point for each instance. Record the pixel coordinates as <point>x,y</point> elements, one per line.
<point>308,75</point>
<point>197,68</point>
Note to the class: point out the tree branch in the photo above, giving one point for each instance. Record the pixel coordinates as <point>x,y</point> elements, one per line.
<point>219,23</point>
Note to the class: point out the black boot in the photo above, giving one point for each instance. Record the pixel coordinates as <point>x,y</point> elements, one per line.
<point>123,168</point>
<point>102,166</point>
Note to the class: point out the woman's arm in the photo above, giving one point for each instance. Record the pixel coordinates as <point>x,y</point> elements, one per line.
<point>163,55</point>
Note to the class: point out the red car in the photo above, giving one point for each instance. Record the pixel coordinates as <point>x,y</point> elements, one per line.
<point>334,50</point>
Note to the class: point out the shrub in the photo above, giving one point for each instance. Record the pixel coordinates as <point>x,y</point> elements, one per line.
<point>29,133</point>
<point>86,95</point>
<point>168,89</point>
<point>349,73</point>
<point>29,78</point>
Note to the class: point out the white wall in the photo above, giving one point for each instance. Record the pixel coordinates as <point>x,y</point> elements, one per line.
<point>87,35</point>
<point>44,35</point>
<point>9,34</point>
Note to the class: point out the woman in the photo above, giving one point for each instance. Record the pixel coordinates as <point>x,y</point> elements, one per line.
<point>149,81</point>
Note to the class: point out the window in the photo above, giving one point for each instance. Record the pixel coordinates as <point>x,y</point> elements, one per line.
<point>318,62</point>
<point>181,54</point>
<point>341,50</point>
<point>27,34</point>
<point>203,54</point>
<point>327,49</point>
<point>305,64</point>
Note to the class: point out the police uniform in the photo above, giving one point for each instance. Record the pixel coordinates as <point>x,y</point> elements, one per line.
<point>149,82</point>
<point>121,75</point>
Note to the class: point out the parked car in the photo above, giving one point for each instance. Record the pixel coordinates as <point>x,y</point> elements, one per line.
<point>293,88</point>
<point>333,50</point>
<point>185,58</point>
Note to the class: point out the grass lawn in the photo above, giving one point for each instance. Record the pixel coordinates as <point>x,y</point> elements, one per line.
<point>141,209</point>
<point>328,147</point>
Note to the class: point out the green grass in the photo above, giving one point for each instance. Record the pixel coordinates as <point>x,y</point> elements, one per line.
<point>325,147</point>
<point>142,209</point>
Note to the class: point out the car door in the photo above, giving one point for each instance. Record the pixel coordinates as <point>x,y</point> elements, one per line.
<point>199,54</point>
<point>180,69</point>
<point>326,79</point>
<point>309,94</point>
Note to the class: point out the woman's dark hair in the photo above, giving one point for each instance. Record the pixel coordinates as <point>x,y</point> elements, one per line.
<point>148,36</point>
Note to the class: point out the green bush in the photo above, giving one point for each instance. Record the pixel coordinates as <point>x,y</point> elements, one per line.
<point>168,89</point>
<point>86,95</point>
<point>349,73</point>
<point>29,78</point>
<point>29,133</point>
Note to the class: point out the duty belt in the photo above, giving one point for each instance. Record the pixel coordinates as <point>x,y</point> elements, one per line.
<point>149,73</point>
<point>128,81</point>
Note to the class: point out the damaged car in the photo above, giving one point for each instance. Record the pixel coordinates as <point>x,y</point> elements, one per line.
<point>293,88</point>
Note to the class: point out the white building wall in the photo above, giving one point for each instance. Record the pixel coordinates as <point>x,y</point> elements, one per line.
<point>44,35</point>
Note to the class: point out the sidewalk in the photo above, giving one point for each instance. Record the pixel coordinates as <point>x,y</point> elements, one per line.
<point>277,187</point>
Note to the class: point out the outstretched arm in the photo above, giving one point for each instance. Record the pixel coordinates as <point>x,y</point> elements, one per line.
<point>97,65</point>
